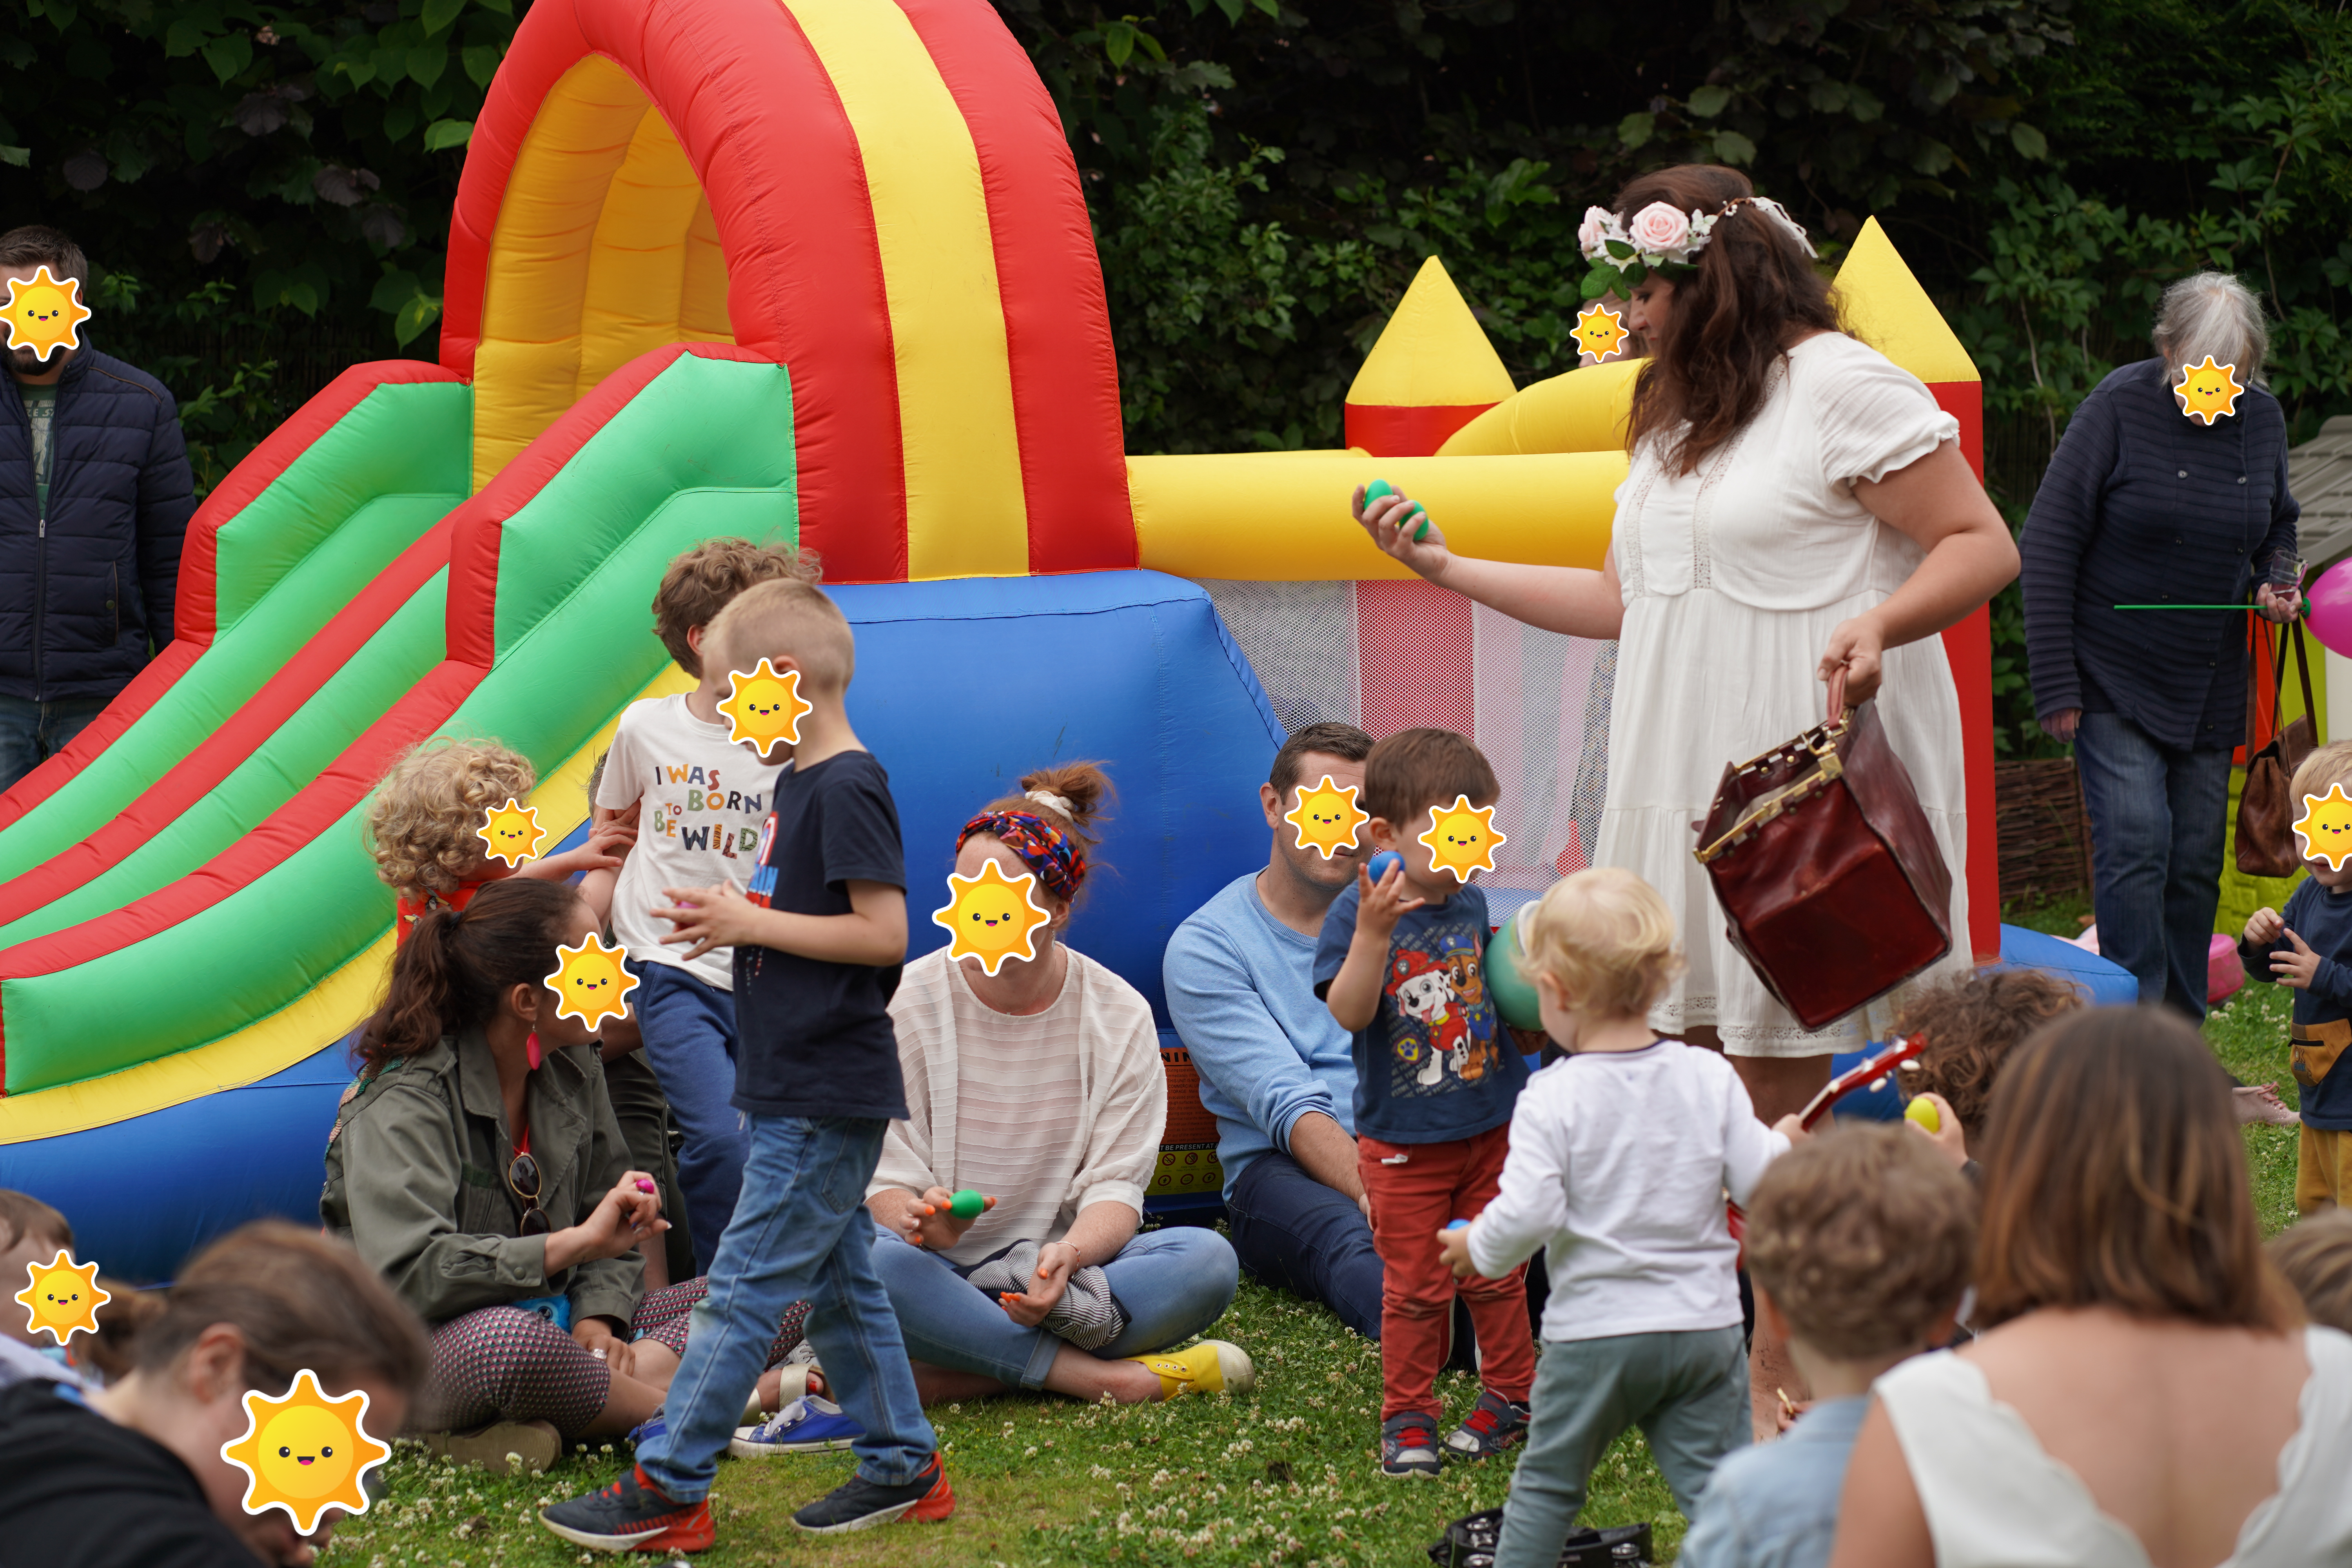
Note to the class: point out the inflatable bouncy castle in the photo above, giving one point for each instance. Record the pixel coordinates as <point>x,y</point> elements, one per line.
<point>770,267</point>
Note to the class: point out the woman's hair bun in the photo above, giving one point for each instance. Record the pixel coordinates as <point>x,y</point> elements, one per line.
<point>1084,784</point>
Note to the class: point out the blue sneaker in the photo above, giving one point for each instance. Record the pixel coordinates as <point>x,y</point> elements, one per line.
<point>651,1428</point>
<point>809,1425</point>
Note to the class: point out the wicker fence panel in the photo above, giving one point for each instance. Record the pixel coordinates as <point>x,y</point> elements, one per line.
<point>2045,836</point>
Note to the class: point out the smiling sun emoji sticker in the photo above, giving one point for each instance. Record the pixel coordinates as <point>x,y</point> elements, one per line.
<point>45,314</point>
<point>1327,817</point>
<point>765,708</point>
<point>591,983</point>
<point>2208,392</point>
<point>2324,831</point>
<point>993,918</point>
<point>513,832</point>
<point>1599,330</point>
<point>1462,838</point>
<point>306,1453</point>
<point>63,1297</point>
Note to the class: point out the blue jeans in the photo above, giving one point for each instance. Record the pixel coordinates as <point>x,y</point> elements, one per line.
<point>1291,1230</point>
<point>32,733</point>
<point>2159,819</point>
<point>689,1033</point>
<point>802,1234</point>
<point>1173,1284</point>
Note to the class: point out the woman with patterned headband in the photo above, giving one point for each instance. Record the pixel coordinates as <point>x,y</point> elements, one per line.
<point>1033,1076</point>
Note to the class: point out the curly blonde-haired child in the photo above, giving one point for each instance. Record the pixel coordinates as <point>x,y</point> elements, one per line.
<point>424,821</point>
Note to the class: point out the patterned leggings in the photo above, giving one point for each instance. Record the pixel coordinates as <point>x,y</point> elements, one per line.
<point>501,1363</point>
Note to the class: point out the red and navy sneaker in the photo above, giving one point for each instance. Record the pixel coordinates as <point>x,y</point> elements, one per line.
<point>1493,1425</point>
<point>858,1502</point>
<point>632,1515</point>
<point>1408,1445</point>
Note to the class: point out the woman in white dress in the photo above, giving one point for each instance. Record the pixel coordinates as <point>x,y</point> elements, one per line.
<point>2144,1390</point>
<point>1796,506</point>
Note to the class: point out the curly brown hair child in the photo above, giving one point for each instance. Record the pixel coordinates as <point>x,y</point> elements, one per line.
<point>1972,1022</point>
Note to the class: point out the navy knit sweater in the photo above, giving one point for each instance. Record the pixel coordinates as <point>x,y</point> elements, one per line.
<point>2142,505</point>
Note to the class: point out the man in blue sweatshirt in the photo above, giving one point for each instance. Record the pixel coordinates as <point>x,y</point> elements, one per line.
<point>1275,1065</point>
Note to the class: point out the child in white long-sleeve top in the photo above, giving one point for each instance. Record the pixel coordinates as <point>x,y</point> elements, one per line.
<point>1620,1155</point>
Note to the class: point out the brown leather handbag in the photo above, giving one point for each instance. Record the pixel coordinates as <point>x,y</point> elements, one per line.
<point>2266,811</point>
<point>1832,883</point>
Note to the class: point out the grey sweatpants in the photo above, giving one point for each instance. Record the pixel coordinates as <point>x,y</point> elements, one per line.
<point>1687,1391</point>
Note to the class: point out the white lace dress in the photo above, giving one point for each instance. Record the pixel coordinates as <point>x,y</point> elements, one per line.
<point>1734,577</point>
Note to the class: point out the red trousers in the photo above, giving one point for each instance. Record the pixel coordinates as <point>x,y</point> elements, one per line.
<point>1416,1189</point>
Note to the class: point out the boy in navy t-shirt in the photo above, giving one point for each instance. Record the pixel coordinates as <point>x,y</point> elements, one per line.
<point>818,941</point>
<point>1401,965</point>
<point>2309,948</point>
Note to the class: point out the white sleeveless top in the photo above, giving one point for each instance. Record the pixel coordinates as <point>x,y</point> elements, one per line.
<point>1994,1499</point>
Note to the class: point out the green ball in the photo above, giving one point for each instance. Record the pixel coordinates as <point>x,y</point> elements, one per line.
<point>967,1204</point>
<point>1507,981</point>
<point>1376,490</point>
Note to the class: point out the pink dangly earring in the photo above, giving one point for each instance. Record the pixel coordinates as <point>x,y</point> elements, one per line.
<point>530,1049</point>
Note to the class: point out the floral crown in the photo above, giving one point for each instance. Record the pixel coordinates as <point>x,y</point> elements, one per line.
<point>1661,239</point>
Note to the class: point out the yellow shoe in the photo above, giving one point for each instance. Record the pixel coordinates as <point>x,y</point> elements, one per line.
<point>1210,1367</point>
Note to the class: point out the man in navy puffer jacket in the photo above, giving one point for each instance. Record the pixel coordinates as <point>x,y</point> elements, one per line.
<point>95,496</point>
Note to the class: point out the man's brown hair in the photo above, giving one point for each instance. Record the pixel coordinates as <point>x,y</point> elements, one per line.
<point>1324,740</point>
<point>699,584</point>
<point>1863,1237</point>
<point>2114,1176</point>
<point>21,1214</point>
<point>1413,770</point>
<point>1972,1022</point>
<point>300,1299</point>
<point>33,244</point>
<point>2315,1255</point>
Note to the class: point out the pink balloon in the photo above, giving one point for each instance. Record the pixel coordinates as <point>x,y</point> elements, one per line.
<point>2331,608</point>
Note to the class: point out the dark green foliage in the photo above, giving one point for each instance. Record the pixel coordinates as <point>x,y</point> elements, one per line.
<point>266,187</point>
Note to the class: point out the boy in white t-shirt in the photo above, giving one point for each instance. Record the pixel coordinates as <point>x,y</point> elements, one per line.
<point>700,799</point>
<point>1620,1155</point>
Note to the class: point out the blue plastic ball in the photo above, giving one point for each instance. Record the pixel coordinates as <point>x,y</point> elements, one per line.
<point>1384,862</point>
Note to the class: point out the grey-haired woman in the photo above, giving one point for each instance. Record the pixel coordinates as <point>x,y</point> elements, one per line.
<point>2169,487</point>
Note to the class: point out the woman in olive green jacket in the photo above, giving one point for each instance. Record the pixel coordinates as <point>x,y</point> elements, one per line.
<point>477,1165</point>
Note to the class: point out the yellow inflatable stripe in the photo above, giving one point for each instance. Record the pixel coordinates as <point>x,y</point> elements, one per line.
<point>966,513</point>
<point>1251,517</point>
<point>527,370</point>
<point>1578,411</point>
<point>317,1017</point>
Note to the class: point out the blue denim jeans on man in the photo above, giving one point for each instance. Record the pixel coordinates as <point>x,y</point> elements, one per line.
<point>1291,1230</point>
<point>2159,822</point>
<point>801,1233</point>
<point>1172,1283</point>
<point>689,1033</point>
<point>32,733</point>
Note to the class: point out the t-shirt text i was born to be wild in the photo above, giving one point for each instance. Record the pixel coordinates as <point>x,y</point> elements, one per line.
<point>705,797</point>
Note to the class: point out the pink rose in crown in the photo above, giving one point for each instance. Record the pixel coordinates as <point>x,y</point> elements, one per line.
<point>1659,230</point>
<point>1593,230</point>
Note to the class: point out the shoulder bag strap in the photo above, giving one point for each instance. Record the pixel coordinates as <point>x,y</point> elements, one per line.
<point>2258,640</point>
<point>2303,669</point>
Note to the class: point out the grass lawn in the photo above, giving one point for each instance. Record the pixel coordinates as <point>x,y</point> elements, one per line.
<point>1285,1474</point>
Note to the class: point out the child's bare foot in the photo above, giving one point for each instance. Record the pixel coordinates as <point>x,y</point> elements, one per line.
<point>2261,1102</point>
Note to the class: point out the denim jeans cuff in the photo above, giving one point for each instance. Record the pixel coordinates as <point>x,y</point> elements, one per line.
<point>1041,1360</point>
